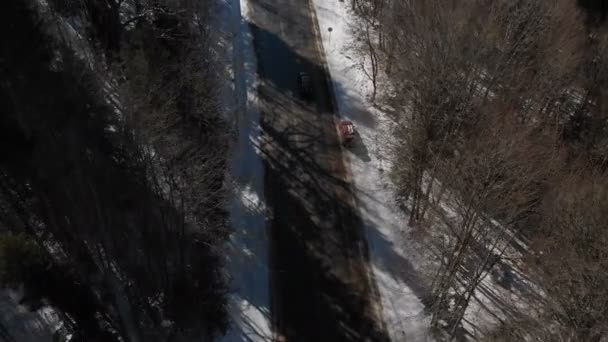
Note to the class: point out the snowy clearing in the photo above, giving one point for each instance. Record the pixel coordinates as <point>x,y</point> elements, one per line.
<point>248,247</point>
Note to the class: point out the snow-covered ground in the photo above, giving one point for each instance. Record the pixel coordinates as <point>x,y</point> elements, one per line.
<point>248,248</point>
<point>17,323</point>
<point>392,258</point>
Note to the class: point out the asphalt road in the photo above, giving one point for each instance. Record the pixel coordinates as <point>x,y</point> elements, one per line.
<point>320,282</point>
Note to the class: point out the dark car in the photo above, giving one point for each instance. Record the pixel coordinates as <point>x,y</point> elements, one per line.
<point>305,84</point>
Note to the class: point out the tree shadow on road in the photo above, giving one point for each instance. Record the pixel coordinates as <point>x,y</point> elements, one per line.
<point>318,295</point>
<point>320,281</point>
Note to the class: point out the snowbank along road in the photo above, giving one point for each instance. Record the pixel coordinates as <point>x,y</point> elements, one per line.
<point>321,290</point>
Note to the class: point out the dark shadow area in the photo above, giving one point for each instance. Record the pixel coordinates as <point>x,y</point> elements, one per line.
<point>503,276</point>
<point>396,265</point>
<point>358,148</point>
<point>389,261</point>
<point>597,10</point>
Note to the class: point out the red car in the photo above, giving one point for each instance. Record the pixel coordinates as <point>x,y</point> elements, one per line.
<point>347,132</point>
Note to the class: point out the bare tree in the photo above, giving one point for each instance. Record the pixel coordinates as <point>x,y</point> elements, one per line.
<point>371,34</point>
<point>134,211</point>
<point>573,247</point>
<point>479,86</point>
<point>567,260</point>
<point>494,185</point>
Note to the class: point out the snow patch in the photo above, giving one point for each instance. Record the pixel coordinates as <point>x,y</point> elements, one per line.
<point>248,247</point>
<point>20,324</point>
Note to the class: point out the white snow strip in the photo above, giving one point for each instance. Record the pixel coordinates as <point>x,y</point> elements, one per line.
<point>393,264</point>
<point>248,248</point>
